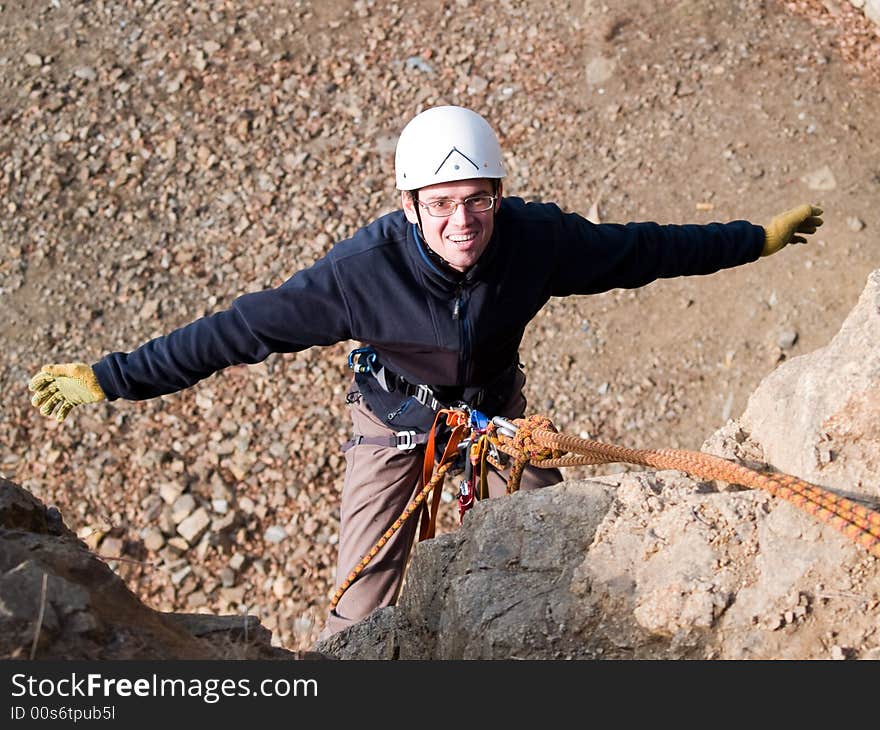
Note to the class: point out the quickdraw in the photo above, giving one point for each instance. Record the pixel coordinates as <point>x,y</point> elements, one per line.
<point>473,485</point>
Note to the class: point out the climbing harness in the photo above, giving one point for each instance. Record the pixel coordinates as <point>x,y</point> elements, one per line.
<point>403,440</point>
<point>364,360</point>
<point>431,480</point>
<point>535,441</point>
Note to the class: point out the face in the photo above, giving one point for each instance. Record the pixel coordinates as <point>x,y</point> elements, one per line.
<point>461,238</point>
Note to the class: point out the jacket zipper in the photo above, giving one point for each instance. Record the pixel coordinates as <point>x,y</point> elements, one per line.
<point>456,309</point>
<point>459,314</point>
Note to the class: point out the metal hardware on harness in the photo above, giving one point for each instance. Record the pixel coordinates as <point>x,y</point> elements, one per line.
<point>466,488</point>
<point>365,360</point>
<point>478,421</point>
<point>406,440</point>
<point>361,360</point>
<point>424,395</point>
<point>505,427</point>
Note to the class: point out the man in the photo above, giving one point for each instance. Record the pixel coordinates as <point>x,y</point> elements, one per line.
<point>440,293</point>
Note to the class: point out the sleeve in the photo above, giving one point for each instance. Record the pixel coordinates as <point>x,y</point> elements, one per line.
<point>598,257</point>
<point>308,309</point>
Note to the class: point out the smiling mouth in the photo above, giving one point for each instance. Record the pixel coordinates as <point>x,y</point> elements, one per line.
<point>462,238</point>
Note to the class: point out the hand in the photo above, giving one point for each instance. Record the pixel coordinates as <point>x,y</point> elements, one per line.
<point>780,231</point>
<point>64,386</point>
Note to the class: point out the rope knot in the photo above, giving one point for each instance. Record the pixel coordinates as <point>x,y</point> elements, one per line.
<point>524,441</point>
<point>526,450</point>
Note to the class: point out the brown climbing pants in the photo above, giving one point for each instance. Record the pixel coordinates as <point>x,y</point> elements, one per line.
<point>379,482</point>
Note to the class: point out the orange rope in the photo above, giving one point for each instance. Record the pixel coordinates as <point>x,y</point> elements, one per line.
<point>540,444</point>
<point>537,443</point>
<point>439,474</point>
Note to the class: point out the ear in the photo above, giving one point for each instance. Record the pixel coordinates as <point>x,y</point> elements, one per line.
<point>409,207</point>
<point>499,192</point>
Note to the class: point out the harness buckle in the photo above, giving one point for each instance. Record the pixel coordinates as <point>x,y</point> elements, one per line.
<point>406,440</point>
<point>424,395</point>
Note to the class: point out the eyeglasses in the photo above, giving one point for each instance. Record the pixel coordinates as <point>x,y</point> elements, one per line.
<point>446,207</point>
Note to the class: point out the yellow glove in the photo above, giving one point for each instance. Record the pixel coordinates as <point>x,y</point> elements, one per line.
<point>64,386</point>
<point>780,231</point>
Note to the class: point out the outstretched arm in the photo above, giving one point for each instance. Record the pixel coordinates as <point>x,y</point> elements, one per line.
<point>306,310</point>
<point>636,254</point>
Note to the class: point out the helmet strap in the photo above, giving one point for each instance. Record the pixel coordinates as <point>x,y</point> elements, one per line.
<point>415,198</point>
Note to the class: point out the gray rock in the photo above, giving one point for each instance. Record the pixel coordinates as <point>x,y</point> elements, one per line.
<point>854,223</point>
<point>275,534</point>
<point>820,179</point>
<point>657,564</point>
<point>826,400</point>
<point>182,508</point>
<point>787,338</point>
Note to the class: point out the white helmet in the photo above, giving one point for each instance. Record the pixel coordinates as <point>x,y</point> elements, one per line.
<point>443,144</point>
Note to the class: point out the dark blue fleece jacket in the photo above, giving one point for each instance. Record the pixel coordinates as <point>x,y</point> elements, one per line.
<point>427,322</point>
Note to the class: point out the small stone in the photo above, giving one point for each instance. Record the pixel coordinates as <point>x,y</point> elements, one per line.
<point>170,491</point>
<point>111,547</point>
<point>599,70</point>
<point>178,576</point>
<point>310,527</point>
<point>786,339</point>
<point>153,539</point>
<point>855,223</point>
<point>275,534</point>
<point>417,62</point>
<point>227,577</point>
<point>281,586</point>
<point>223,522</point>
<point>86,73</point>
<point>182,508</point>
<point>233,595</point>
<point>192,527</point>
<point>178,544</point>
<point>821,179</point>
<point>33,59</point>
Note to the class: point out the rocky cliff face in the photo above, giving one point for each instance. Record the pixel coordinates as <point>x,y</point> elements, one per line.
<point>635,565</point>
<point>58,600</point>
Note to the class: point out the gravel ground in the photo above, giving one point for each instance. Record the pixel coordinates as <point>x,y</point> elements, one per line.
<point>160,158</point>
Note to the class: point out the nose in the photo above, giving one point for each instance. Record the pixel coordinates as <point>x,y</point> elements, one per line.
<point>460,215</point>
